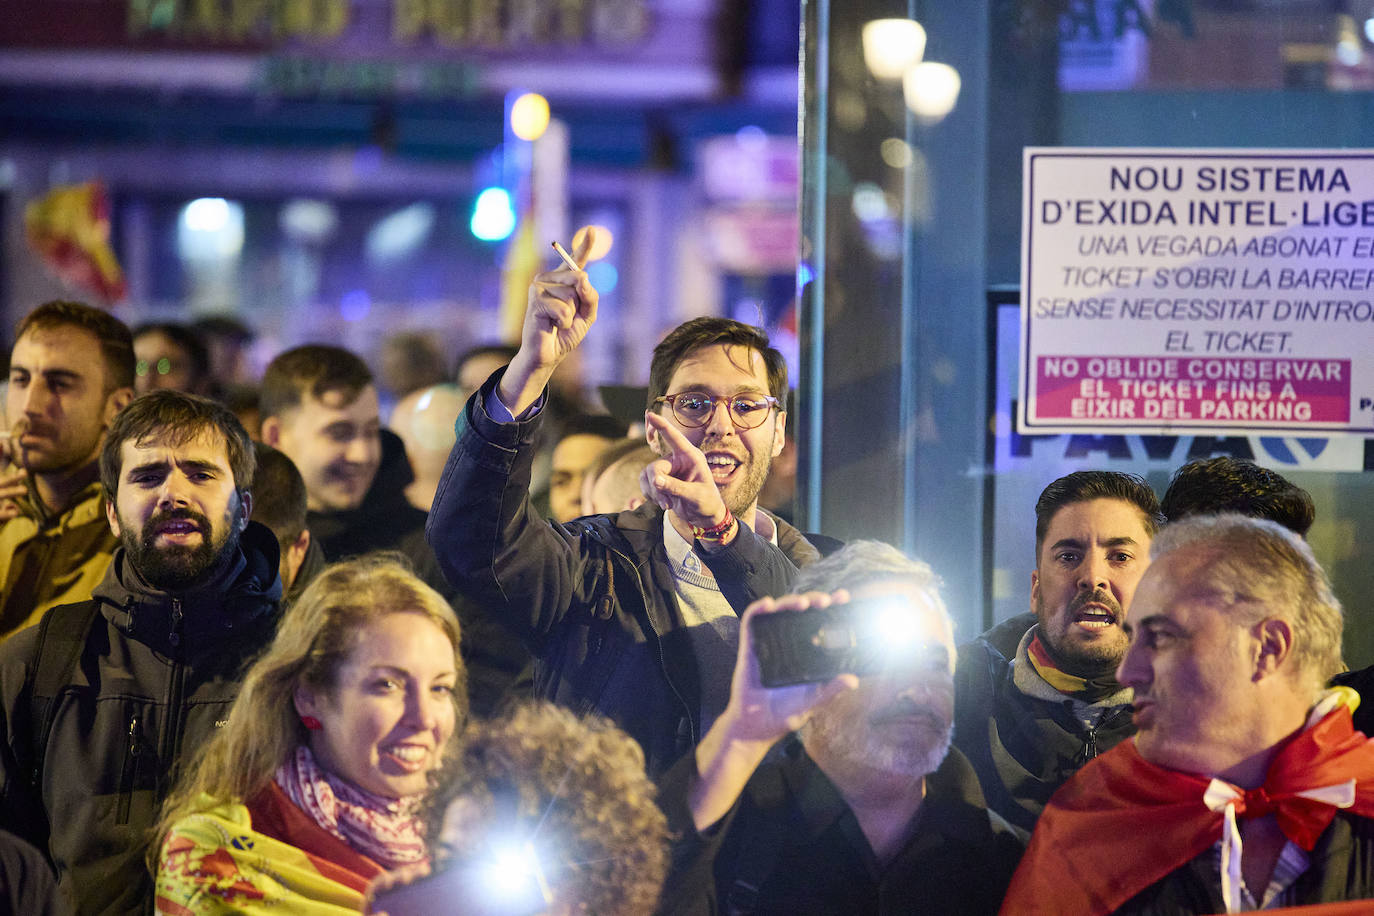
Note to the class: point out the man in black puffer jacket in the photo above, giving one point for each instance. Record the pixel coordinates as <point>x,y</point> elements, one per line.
<point>103,698</point>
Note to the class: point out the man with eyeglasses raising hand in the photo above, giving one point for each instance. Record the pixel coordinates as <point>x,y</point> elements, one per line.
<point>634,615</point>
<point>716,456</point>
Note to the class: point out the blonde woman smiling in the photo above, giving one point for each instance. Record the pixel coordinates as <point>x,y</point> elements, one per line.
<point>309,790</point>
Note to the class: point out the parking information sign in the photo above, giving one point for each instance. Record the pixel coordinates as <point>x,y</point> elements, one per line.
<point>1165,291</point>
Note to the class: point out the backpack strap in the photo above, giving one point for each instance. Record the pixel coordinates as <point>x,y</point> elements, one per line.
<point>61,637</point>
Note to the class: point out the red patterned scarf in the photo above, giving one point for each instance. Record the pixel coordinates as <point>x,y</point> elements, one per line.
<point>1156,819</point>
<point>383,829</point>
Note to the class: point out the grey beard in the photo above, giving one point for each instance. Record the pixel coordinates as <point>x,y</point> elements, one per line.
<point>858,746</point>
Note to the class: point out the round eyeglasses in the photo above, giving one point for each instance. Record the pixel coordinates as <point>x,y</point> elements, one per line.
<point>695,408</point>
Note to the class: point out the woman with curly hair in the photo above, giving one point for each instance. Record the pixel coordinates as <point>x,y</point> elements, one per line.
<point>541,812</point>
<point>310,789</point>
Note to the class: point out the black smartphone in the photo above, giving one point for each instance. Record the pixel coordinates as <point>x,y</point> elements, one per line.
<point>862,637</point>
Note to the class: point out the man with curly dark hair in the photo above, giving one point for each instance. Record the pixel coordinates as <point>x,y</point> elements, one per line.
<point>541,794</point>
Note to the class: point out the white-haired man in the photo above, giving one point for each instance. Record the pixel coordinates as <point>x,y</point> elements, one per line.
<point>1245,786</point>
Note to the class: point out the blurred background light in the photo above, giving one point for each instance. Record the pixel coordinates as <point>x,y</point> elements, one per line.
<point>869,202</point>
<point>751,137</point>
<point>305,220</point>
<point>401,233</point>
<point>603,276</point>
<point>493,217</point>
<point>355,305</point>
<point>206,214</point>
<point>930,90</point>
<point>601,243</point>
<point>895,152</point>
<point>529,116</point>
<point>892,46</point>
<point>1349,48</point>
<point>210,229</point>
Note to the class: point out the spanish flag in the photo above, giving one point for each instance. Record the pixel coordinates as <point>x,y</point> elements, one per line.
<point>69,227</point>
<point>517,272</point>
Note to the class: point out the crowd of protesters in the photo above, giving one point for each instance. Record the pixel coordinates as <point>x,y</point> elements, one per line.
<point>261,651</point>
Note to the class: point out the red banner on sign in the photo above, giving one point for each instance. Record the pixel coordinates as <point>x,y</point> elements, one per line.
<point>1194,389</point>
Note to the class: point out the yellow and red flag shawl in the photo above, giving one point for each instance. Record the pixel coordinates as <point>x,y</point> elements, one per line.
<point>217,861</point>
<point>1153,820</point>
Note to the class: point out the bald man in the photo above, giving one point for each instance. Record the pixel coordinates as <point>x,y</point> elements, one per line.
<point>424,421</point>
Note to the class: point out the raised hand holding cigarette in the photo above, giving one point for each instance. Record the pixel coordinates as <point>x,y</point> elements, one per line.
<point>562,308</point>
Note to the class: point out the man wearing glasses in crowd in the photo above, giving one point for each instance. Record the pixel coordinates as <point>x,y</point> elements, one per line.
<point>634,615</point>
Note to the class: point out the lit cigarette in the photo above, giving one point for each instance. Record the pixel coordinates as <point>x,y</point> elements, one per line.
<point>567,258</point>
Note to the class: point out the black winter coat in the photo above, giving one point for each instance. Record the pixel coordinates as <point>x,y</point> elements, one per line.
<point>791,845</point>
<point>594,599</point>
<point>154,678</point>
<point>1340,867</point>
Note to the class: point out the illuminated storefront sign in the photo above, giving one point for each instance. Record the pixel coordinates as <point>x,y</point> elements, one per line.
<point>373,48</point>
<point>487,25</point>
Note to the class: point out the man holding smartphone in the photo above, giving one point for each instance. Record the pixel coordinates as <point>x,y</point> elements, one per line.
<point>839,796</point>
<point>634,615</point>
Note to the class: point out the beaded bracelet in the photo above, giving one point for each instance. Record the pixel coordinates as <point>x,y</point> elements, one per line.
<point>715,532</point>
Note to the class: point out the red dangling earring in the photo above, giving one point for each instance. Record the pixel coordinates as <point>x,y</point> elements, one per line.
<point>311,723</point>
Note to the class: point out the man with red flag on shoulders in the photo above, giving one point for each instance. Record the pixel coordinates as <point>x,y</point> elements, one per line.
<point>1245,786</point>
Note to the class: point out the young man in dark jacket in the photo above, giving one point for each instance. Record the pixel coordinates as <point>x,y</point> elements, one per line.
<point>1037,697</point>
<point>103,698</point>
<point>633,615</point>
<point>319,407</point>
<point>279,503</point>
<point>71,370</point>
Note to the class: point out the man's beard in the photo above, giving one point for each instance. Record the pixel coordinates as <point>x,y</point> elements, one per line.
<point>746,492</point>
<point>1095,660</point>
<point>852,734</point>
<point>174,567</point>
